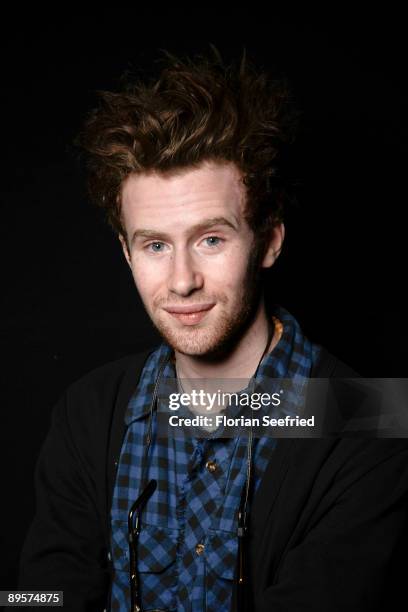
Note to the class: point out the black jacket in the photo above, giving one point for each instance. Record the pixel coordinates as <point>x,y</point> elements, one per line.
<point>326,521</point>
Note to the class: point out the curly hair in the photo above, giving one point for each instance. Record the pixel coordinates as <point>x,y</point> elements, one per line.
<point>197,109</point>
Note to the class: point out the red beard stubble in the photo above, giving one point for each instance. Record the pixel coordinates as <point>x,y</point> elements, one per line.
<point>229,329</point>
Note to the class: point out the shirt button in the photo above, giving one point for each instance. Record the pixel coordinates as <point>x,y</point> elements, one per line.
<point>199,549</point>
<point>211,466</point>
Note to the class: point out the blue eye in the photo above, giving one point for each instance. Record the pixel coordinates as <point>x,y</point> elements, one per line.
<point>212,238</point>
<point>155,244</point>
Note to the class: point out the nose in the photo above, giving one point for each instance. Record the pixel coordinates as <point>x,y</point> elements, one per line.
<point>184,276</point>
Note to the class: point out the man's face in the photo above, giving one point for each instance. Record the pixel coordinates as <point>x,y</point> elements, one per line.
<point>191,253</point>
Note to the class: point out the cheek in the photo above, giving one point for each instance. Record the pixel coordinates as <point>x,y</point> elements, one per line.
<point>230,274</point>
<point>145,280</point>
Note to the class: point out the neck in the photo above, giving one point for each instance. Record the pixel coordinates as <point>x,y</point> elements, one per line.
<point>241,362</point>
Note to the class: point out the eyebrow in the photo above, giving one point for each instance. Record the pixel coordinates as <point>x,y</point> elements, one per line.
<point>203,225</point>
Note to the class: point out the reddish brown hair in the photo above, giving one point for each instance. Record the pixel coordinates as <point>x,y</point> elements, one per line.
<point>197,109</point>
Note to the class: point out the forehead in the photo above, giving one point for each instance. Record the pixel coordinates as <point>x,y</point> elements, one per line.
<point>183,196</point>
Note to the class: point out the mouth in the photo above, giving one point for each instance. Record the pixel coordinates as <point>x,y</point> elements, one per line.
<point>190,315</point>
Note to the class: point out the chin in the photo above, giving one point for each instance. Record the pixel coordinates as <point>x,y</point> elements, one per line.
<point>205,341</point>
<point>191,342</point>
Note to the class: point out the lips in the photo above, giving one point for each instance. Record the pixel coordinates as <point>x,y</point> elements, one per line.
<point>189,314</point>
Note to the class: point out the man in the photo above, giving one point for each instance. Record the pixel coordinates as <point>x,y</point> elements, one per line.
<point>187,169</point>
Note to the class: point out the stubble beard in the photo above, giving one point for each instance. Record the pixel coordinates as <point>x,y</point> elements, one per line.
<point>217,341</point>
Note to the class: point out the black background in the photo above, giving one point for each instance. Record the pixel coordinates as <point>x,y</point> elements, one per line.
<point>68,299</point>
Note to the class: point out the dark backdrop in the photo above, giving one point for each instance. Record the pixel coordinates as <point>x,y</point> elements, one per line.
<point>69,303</point>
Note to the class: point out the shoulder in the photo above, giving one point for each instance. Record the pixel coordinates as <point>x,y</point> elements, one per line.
<point>356,442</point>
<point>109,376</point>
<point>329,365</point>
<point>89,402</point>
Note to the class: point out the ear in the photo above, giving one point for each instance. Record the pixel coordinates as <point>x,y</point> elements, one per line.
<point>275,246</point>
<point>125,249</point>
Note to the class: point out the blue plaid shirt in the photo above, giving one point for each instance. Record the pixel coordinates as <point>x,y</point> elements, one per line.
<point>187,548</point>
